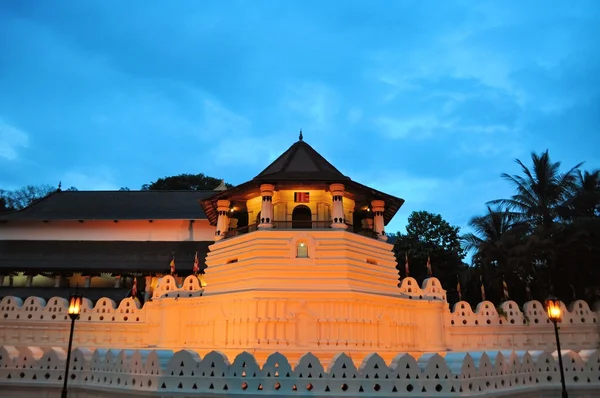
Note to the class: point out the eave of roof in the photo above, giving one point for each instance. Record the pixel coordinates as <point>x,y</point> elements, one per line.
<point>99,256</point>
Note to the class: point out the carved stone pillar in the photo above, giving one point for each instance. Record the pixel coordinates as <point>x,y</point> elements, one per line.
<point>28,280</point>
<point>57,280</point>
<point>338,218</point>
<point>378,208</point>
<point>117,281</point>
<point>87,281</point>
<point>222,221</point>
<point>266,210</point>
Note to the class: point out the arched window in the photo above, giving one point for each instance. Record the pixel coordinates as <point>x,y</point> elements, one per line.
<point>302,217</point>
<point>302,250</point>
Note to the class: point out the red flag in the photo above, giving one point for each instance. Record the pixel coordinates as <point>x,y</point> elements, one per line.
<point>482,288</point>
<point>429,271</point>
<point>172,264</point>
<point>196,264</point>
<point>302,197</point>
<point>134,291</point>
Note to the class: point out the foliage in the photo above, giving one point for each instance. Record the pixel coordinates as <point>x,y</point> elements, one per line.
<point>428,235</point>
<point>185,182</point>
<point>548,232</point>
<point>23,197</point>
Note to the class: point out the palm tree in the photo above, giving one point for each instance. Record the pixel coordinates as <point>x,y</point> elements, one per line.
<point>585,201</point>
<point>542,192</point>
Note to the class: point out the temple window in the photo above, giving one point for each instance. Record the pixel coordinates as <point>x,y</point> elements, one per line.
<point>302,250</point>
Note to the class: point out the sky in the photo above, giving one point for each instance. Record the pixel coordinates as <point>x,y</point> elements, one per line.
<point>426,100</point>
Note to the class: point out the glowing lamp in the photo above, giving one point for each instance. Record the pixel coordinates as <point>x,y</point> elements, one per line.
<point>554,310</point>
<point>75,302</point>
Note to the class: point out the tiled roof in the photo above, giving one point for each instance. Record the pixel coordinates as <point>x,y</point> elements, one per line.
<point>115,205</point>
<point>301,162</point>
<point>99,256</point>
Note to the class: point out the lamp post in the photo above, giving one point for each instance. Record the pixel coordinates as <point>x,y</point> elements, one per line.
<point>555,315</point>
<point>74,310</point>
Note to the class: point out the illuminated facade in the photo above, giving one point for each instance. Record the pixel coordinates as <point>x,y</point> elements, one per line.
<point>296,261</point>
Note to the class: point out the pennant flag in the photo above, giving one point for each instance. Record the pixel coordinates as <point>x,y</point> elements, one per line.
<point>302,197</point>
<point>482,288</point>
<point>196,265</point>
<point>528,289</point>
<point>429,272</point>
<point>406,265</point>
<point>505,289</point>
<point>134,290</point>
<point>458,289</point>
<point>172,264</point>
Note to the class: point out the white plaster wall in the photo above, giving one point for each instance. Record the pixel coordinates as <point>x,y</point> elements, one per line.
<point>124,230</point>
<point>36,372</point>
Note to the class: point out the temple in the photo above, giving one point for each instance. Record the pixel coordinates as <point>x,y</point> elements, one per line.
<point>253,290</point>
<point>102,241</point>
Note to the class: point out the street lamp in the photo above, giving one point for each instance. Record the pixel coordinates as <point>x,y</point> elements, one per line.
<point>555,315</point>
<point>75,302</point>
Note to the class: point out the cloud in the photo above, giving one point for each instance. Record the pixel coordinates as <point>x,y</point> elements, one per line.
<point>11,140</point>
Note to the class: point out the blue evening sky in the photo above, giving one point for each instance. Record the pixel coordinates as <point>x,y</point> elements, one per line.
<point>426,100</point>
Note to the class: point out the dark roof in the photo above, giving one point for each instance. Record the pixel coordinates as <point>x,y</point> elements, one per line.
<point>301,162</point>
<point>99,256</point>
<point>115,205</point>
<point>300,165</point>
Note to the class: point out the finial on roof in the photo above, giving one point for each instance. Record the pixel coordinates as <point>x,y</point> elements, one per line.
<point>300,137</point>
<point>221,187</point>
<point>59,185</point>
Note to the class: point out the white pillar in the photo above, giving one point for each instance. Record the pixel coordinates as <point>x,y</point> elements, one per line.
<point>118,282</point>
<point>57,280</point>
<point>86,281</point>
<point>28,280</point>
<point>266,210</point>
<point>337,213</point>
<point>378,207</point>
<point>222,221</point>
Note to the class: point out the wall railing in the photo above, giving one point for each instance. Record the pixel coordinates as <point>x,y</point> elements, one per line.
<point>301,224</point>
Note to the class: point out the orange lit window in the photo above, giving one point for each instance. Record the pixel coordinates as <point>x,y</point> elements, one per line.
<point>302,250</point>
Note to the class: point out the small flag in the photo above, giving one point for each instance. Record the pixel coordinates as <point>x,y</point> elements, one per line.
<point>134,290</point>
<point>505,289</point>
<point>458,289</point>
<point>429,272</point>
<point>196,265</point>
<point>172,264</point>
<point>302,197</point>
<point>406,269</point>
<point>482,288</point>
<point>528,289</point>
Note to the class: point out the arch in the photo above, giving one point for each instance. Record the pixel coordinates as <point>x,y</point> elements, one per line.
<point>301,217</point>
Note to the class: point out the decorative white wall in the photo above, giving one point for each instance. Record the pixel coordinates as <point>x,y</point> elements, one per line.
<point>31,371</point>
<point>179,317</point>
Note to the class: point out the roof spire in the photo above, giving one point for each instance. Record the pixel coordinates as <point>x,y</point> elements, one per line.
<point>59,185</point>
<point>300,137</point>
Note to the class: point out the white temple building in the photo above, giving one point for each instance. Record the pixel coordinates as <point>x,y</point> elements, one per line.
<point>296,294</point>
